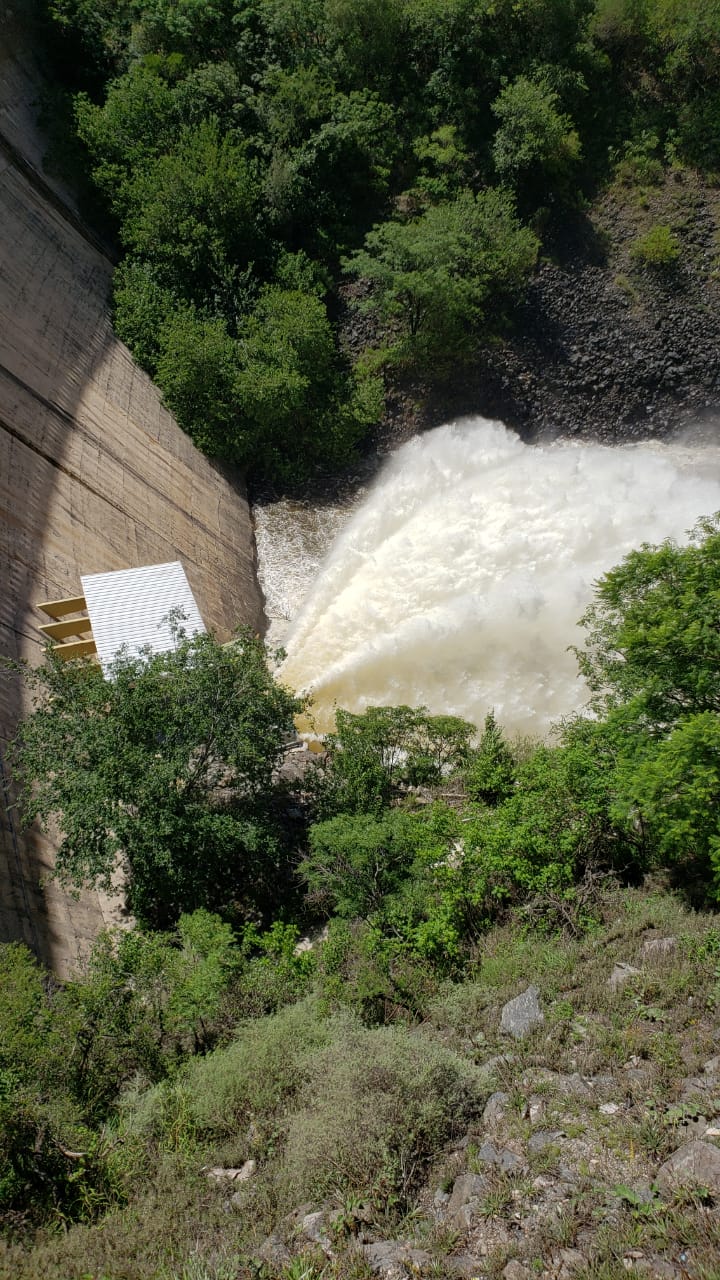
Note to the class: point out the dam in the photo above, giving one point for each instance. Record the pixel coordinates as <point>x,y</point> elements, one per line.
<point>95,475</point>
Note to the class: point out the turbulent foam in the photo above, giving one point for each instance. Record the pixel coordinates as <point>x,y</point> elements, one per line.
<point>459,580</point>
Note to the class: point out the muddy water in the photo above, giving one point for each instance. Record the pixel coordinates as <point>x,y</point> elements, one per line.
<point>457,579</point>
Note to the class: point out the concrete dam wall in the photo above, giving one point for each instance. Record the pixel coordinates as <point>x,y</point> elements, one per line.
<point>95,475</point>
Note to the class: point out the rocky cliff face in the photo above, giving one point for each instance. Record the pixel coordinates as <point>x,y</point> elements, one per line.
<point>95,475</point>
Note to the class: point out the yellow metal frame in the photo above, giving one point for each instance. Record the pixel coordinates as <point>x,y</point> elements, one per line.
<point>58,608</point>
<point>59,630</point>
<point>62,627</point>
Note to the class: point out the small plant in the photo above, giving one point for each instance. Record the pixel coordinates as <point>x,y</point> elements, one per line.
<point>635,1201</point>
<point>638,164</point>
<point>659,247</point>
<point>302,1269</point>
<point>497,1199</point>
<point>626,287</point>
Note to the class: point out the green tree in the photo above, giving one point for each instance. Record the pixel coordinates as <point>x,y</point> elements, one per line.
<point>50,1164</point>
<point>673,786</point>
<point>356,861</point>
<point>555,825</point>
<point>143,1002</point>
<point>366,41</point>
<point>194,214</point>
<point>652,661</point>
<point>288,383</point>
<point>275,399</point>
<point>490,775</point>
<point>373,754</point>
<point>535,142</point>
<point>653,642</point>
<point>439,276</point>
<point>167,770</point>
<point>339,178</point>
<point>197,369</point>
<point>142,308</point>
<point>444,164</point>
<point>137,122</point>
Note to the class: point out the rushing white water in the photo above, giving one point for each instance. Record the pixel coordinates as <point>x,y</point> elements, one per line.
<point>459,579</point>
<point>292,539</point>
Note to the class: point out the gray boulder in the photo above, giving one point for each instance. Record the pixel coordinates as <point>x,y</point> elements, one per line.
<point>495,1107</point>
<point>695,1164</point>
<point>621,974</point>
<point>467,1190</point>
<point>657,948</point>
<point>394,1259</point>
<point>521,1015</point>
<point>499,1157</point>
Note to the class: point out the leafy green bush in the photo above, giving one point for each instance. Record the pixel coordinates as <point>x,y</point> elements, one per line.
<point>534,141</point>
<point>144,1002</point>
<point>379,977</point>
<point>659,247</point>
<point>651,643</point>
<point>252,1080</point>
<point>675,785</point>
<point>274,973</point>
<point>356,861</point>
<point>652,661</point>
<point>490,773</point>
<point>639,164</point>
<point>372,756</point>
<point>52,1164</point>
<point>168,767</point>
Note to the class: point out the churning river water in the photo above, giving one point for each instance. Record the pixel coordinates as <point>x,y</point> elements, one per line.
<point>456,580</point>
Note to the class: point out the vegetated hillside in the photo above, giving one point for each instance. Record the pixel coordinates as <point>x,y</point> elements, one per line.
<point>492,1056</point>
<point>94,475</point>
<point>266,165</point>
<point>314,1145</point>
<point>607,344</point>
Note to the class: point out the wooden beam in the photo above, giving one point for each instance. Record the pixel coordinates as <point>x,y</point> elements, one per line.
<point>76,649</point>
<point>57,608</point>
<point>59,630</point>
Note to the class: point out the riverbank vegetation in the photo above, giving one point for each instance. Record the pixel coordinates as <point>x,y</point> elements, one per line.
<point>436,871</point>
<point>268,167</point>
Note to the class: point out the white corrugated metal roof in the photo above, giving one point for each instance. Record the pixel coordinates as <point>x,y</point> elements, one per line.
<point>129,609</point>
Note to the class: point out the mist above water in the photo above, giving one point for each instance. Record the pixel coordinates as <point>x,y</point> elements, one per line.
<point>458,580</point>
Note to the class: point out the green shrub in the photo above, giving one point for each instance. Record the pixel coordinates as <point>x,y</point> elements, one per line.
<point>382,978</point>
<point>659,247</point>
<point>218,1096</point>
<point>454,270</point>
<point>372,756</point>
<point>534,141</point>
<point>376,1106</point>
<point>356,860</point>
<point>638,164</point>
<point>490,774</point>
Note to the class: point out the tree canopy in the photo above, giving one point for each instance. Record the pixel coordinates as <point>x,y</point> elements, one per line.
<point>443,274</point>
<point>166,770</point>
<point>420,146</point>
<point>653,640</point>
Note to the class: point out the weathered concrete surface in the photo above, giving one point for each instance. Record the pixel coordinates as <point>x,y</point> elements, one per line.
<point>94,475</point>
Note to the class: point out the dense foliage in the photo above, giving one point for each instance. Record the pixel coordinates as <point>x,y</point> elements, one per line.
<point>255,157</point>
<point>166,771</point>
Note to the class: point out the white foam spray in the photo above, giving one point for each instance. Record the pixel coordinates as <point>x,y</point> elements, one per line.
<point>458,581</point>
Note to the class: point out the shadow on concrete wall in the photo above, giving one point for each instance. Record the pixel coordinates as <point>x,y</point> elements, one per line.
<point>94,475</point>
